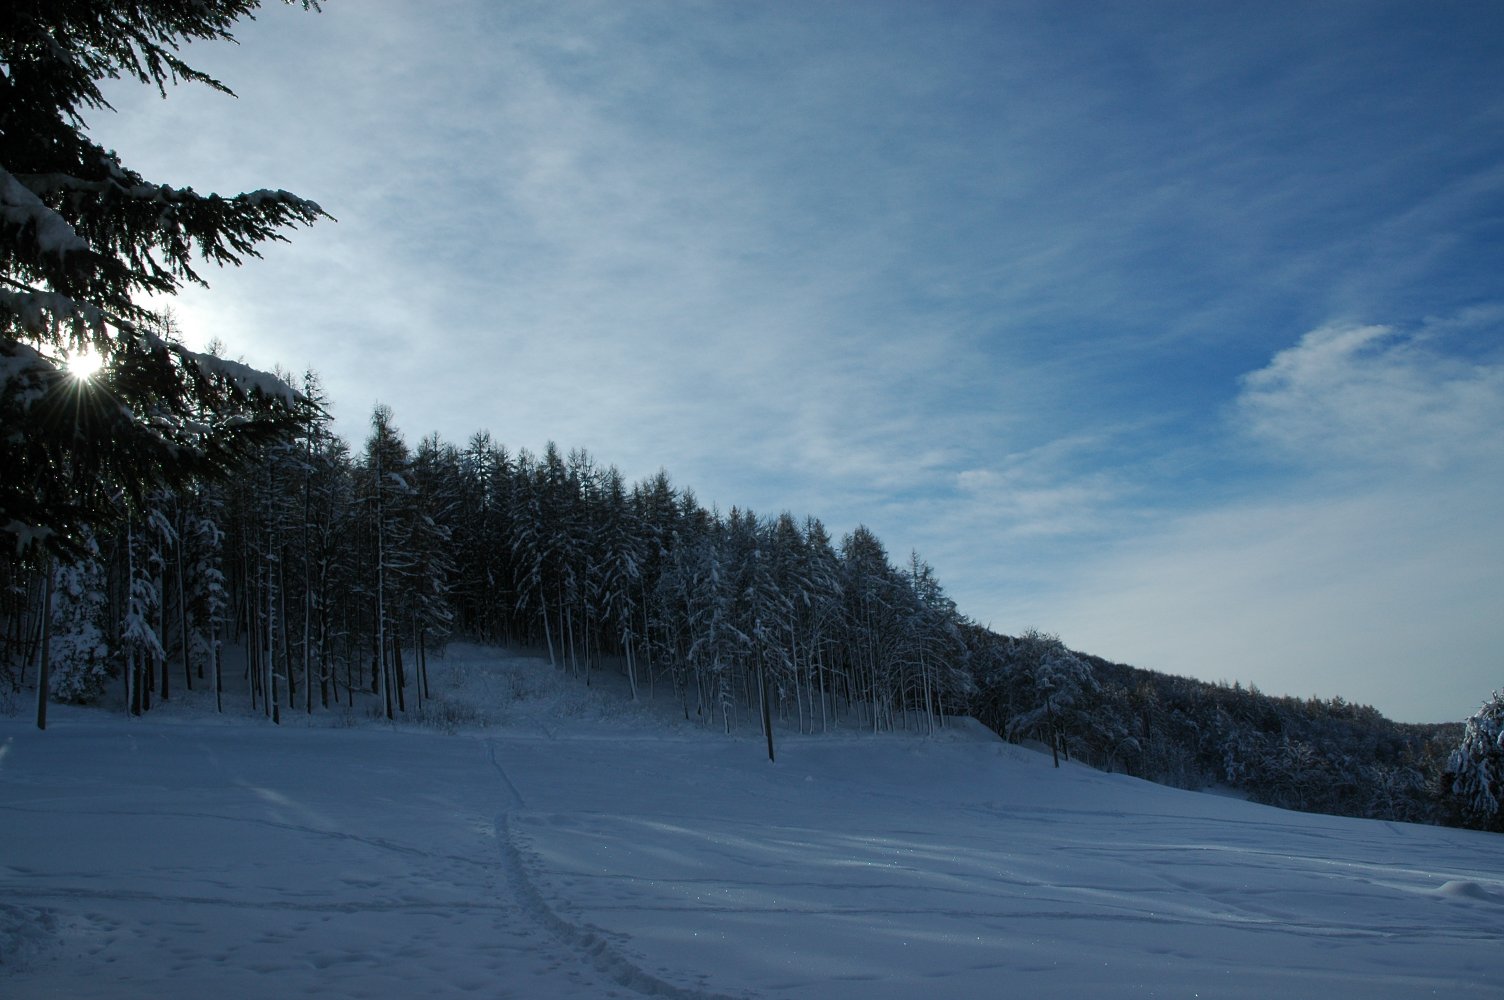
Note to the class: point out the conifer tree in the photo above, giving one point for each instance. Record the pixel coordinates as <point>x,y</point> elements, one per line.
<point>390,498</point>
<point>620,540</point>
<point>79,650</point>
<point>823,610</point>
<point>1475,771</point>
<point>428,608</point>
<point>83,240</point>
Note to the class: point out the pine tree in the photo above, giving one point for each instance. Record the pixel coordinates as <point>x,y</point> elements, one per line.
<point>1476,768</point>
<point>78,652</point>
<point>83,240</point>
<point>138,635</point>
<point>390,500</point>
<point>205,595</point>
<point>534,544</point>
<point>933,645</point>
<point>617,568</point>
<point>869,586</point>
<point>483,593</point>
<point>823,611</point>
<point>428,607</point>
<point>1051,684</point>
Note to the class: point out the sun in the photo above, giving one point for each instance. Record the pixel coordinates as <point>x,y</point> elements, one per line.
<point>84,363</point>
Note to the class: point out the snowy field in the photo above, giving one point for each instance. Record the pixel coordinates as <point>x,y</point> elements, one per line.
<point>560,843</point>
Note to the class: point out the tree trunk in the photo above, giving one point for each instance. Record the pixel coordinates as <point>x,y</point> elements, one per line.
<point>767,715</point>
<point>398,673</point>
<point>289,676</point>
<point>45,654</point>
<point>273,705</point>
<point>182,605</point>
<point>423,662</point>
<point>162,634</point>
<point>214,651</point>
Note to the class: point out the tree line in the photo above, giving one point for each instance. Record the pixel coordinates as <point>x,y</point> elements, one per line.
<point>338,572</point>
<point>332,574</point>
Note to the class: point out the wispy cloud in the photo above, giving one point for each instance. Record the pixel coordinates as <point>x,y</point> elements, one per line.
<point>1370,568</point>
<point>1062,489</point>
<point>1379,398</point>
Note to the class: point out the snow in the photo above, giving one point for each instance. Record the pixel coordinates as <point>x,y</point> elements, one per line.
<point>537,839</point>
<point>249,380</point>
<point>20,207</point>
<point>22,372</point>
<point>36,312</point>
<point>26,535</point>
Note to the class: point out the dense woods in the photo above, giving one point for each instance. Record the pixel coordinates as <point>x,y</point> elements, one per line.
<point>340,572</point>
<point>332,574</point>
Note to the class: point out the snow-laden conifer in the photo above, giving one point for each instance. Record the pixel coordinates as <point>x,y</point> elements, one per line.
<point>85,241</point>
<point>79,652</point>
<point>1476,767</point>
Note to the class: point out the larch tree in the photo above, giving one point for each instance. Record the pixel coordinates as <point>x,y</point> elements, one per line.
<point>389,497</point>
<point>436,481</point>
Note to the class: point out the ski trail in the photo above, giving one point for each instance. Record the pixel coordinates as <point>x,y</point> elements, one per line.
<point>588,943</point>
<point>514,797</point>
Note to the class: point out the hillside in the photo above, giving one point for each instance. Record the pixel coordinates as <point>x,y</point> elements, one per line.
<point>560,842</point>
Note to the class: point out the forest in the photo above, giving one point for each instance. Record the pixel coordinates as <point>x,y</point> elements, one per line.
<point>333,574</point>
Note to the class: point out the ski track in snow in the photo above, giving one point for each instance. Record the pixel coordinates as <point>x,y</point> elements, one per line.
<point>590,944</point>
<point>576,849</point>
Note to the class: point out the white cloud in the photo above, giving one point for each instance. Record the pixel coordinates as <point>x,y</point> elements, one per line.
<point>1061,488</point>
<point>1377,397</point>
<point>1375,571</point>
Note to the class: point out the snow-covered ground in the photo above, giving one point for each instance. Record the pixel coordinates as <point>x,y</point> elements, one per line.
<point>575,846</point>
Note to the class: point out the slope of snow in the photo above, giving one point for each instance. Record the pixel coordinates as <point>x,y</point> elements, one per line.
<point>560,843</point>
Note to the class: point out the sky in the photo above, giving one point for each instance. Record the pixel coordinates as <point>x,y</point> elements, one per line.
<point>1171,328</point>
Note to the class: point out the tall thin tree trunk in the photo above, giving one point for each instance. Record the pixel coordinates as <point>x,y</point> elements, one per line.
<point>308,580</point>
<point>44,660</point>
<point>628,648</point>
<point>820,672</point>
<point>398,673</point>
<point>182,602</point>
<point>386,691</point>
<point>273,705</point>
<point>162,633</point>
<point>647,641</point>
<point>133,683</point>
<point>548,635</point>
<point>289,675</point>
<point>422,658</point>
<point>252,603</point>
<point>307,643</point>
<point>767,714</point>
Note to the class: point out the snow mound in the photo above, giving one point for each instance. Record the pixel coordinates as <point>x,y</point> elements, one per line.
<point>1466,889</point>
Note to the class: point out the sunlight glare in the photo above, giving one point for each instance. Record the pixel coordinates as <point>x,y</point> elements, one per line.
<point>84,363</point>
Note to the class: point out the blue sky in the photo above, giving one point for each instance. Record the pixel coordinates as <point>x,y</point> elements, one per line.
<point>1169,327</point>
